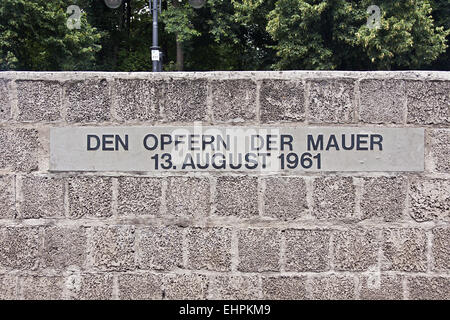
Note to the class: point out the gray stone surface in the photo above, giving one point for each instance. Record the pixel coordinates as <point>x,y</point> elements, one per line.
<point>284,288</point>
<point>334,198</point>
<point>39,100</point>
<point>185,287</point>
<point>259,250</point>
<point>233,100</point>
<point>282,101</point>
<point>233,288</point>
<point>209,249</point>
<point>42,197</point>
<point>42,287</point>
<point>20,151</point>
<point>88,101</point>
<point>139,196</point>
<point>428,102</point>
<point>188,197</point>
<point>113,248</point>
<point>90,196</point>
<point>355,249</point>
<point>5,107</point>
<point>237,196</point>
<point>440,150</point>
<point>160,248</point>
<point>384,197</point>
<point>382,101</point>
<point>332,101</point>
<point>381,287</point>
<point>9,287</point>
<point>94,286</point>
<point>332,287</point>
<point>429,288</point>
<point>22,249</point>
<point>404,250</point>
<point>441,249</point>
<point>307,250</point>
<point>7,197</point>
<point>285,198</point>
<point>140,287</point>
<point>429,199</point>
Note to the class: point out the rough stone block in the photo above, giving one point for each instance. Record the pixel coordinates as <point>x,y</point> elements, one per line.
<point>355,249</point>
<point>331,101</point>
<point>384,197</point>
<point>233,100</point>
<point>428,102</point>
<point>112,248</point>
<point>381,287</point>
<point>39,100</point>
<point>440,151</point>
<point>42,287</point>
<point>441,249</point>
<point>307,250</point>
<point>135,100</point>
<point>90,286</point>
<point>20,149</point>
<point>188,196</point>
<point>139,196</point>
<point>332,287</point>
<point>42,197</point>
<point>334,198</point>
<point>140,287</point>
<point>20,248</point>
<point>259,250</point>
<point>7,197</point>
<point>429,199</point>
<point>285,198</point>
<point>404,250</point>
<point>64,247</point>
<point>282,101</point>
<point>90,196</point>
<point>88,101</point>
<point>382,101</point>
<point>233,288</point>
<point>160,248</point>
<point>209,249</point>
<point>284,288</point>
<point>8,287</point>
<point>237,196</point>
<point>429,288</point>
<point>185,287</point>
<point>183,100</point>
<point>5,107</point>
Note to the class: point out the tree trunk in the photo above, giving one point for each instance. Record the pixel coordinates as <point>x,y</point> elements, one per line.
<point>180,55</point>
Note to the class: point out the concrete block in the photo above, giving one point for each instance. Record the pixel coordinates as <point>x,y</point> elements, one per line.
<point>64,247</point>
<point>185,287</point>
<point>42,197</point>
<point>334,198</point>
<point>404,250</point>
<point>284,288</point>
<point>307,250</point>
<point>188,197</point>
<point>233,288</point>
<point>331,101</point>
<point>380,287</point>
<point>441,249</point>
<point>20,248</point>
<point>90,196</point>
<point>382,101</point>
<point>7,197</point>
<point>135,101</point>
<point>332,287</point>
<point>429,199</point>
<point>9,287</point>
<point>237,196</point>
<point>39,100</point>
<point>112,248</point>
<point>20,149</point>
<point>428,102</point>
<point>42,287</point>
<point>160,248</point>
<point>88,101</point>
<point>139,196</point>
<point>285,198</point>
<point>355,249</point>
<point>429,288</point>
<point>233,100</point>
<point>140,287</point>
<point>5,107</point>
<point>440,151</point>
<point>93,286</point>
<point>209,249</point>
<point>259,250</point>
<point>384,197</point>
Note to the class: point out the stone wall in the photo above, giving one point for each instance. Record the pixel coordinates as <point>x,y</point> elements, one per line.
<point>117,235</point>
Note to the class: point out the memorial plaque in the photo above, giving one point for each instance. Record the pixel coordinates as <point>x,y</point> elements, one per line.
<point>235,149</point>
